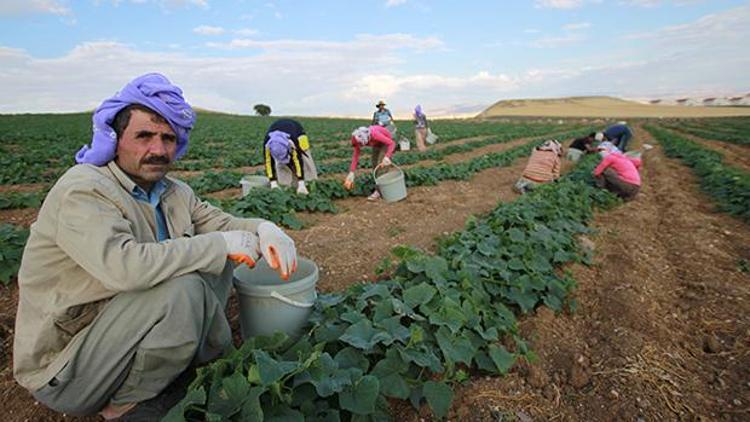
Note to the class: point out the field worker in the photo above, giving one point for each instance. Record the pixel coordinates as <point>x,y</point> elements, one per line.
<point>382,116</point>
<point>543,167</point>
<point>420,127</point>
<point>618,172</point>
<point>126,273</point>
<point>581,146</point>
<point>619,134</point>
<point>287,155</point>
<point>382,145</point>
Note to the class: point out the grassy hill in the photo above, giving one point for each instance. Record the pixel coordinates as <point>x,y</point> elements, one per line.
<point>607,107</point>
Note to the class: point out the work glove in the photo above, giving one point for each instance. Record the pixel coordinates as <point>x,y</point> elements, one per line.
<point>349,182</point>
<point>301,188</point>
<point>274,184</point>
<point>278,249</point>
<point>386,162</point>
<point>242,247</point>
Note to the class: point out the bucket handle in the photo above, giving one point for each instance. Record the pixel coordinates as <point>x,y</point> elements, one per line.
<point>282,298</point>
<point>374,171</point>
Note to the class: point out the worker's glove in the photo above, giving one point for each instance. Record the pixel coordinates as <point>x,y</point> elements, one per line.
<point>242,247</point>
<point>349,182</point>
<point>274,184</point>
<point>278,249</point>
<point>301,188</point>
<point>386,162</point>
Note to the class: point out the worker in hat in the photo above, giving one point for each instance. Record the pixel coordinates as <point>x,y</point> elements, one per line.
<point>619,134</point>
<point>543,167</point>
<point>383,146</point>
<point>287,155</point>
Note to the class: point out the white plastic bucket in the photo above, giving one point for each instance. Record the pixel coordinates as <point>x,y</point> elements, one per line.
<point>392,185</point>
<point>404,144</point>
<point>574,154</point>
<point>249,182</point>
<point>269,304</point>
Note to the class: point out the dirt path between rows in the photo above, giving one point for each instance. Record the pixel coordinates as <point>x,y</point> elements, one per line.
<point>662,330</point>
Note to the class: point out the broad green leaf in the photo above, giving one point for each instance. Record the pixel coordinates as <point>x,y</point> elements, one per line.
<point>270,370</point>
<point>439,396</point>
<point>419,294</point>
<point>362,335</point>
<point>456,348</point>
<point>228,398</point>
<point>349,357</point>
<point>192,399</point>
<point>502,358</point>
<point>360,398</point>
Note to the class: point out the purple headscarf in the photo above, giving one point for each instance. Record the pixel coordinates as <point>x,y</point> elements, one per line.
<point>152,90</point>
<point>278,144</point>
<point>418,111</point>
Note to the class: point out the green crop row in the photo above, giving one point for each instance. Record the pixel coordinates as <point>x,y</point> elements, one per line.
<point>12,242</point>
<point>727,185</point>
<point>436,320</point>
<point>736,130</point>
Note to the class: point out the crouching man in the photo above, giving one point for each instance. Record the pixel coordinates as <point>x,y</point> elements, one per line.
<point>126,273</point>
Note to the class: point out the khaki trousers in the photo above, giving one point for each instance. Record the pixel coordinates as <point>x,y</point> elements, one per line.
<point>141,341</point>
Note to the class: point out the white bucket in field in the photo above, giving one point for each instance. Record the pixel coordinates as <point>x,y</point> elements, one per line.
<point>404,144</point>
<point>249,182</point>
<point>269,304</point>
<point>392,185</point>
<point>574,154</point>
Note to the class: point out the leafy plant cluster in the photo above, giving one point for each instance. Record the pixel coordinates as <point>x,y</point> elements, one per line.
<point>727,185</point>
<point>435,322</point>
<point>12,242</point>
<point>13,200</point>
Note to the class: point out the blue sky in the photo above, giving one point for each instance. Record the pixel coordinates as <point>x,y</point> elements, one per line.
<point>340,57</point>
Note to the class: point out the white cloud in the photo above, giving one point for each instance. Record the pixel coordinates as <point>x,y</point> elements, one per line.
<point>391,3</point>
<point>531,31</point>
<point>654,3</point>
<point>558,4</point>
<point>555,42</point>
<point>362,42</point>
<point>208,30</point>
<point>576,26</point>
<point>245,32</point>
<point>20,7</point>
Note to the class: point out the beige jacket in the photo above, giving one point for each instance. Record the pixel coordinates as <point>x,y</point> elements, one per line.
<point>91,240</point>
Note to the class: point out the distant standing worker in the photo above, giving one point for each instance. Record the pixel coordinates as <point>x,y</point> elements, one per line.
<point>383,117</point>
<point>619,134</point>
<point>377,137</point>
<point>618,172</point>
<point>543,167</point>
<point>420,127</point>
<point>287,155</point>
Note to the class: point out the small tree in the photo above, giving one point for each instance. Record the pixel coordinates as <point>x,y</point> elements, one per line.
<point>262,109</point>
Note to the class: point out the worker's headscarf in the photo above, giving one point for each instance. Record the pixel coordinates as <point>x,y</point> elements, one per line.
<point>362,135</point>
<point>279,144</point>
<point>606,148</point>
<point>418,111</point>
<point>551,145</point>
<point>599,136</point>
<point>152,90</point>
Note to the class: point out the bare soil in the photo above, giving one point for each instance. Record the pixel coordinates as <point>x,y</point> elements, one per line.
<point>662,330</point>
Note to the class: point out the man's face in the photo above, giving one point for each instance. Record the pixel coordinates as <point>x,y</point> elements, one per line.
<point>146,149</point>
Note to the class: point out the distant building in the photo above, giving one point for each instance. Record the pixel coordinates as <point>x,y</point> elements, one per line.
<point>654,101</point>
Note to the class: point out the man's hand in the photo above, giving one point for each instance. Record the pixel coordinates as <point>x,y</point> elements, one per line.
<point>278,249</point>
<point>349,182</point>
<point>386,162</point>
<point>242,247</point>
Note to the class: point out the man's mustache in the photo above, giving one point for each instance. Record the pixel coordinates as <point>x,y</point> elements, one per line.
<point>156,159</point>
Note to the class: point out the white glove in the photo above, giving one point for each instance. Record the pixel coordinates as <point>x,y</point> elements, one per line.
<point>350,177</point>
<point>242,247</point>
<point>386,162</point>
<point>278,249</point>
<point>274,184</point>
<point>301,188</point>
